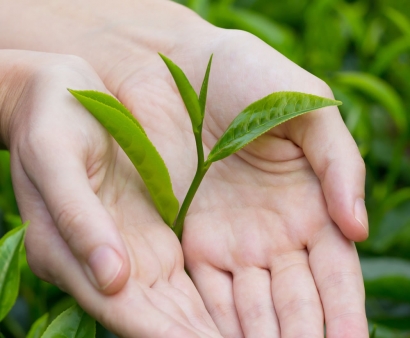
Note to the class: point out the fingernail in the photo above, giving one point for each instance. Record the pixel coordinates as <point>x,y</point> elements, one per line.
<point>360,214</point>
<point>103,266</point>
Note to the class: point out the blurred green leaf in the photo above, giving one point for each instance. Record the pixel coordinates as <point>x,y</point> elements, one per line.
<point>72,323</point>
<point>278,36</point>
<point>396,198</point>
<point>372,37</point>
<point>38,328</point>
<point>325,37</point>
<point>393,228</point>
<point>399,19</point>
<point>386,332</point>
<point>10,246</point>
<point>353,14</point>
<point>387,277</point>
<point>378,90</point>
<point>388,53</point>
<point>373,334</point>
<point>7,200</point>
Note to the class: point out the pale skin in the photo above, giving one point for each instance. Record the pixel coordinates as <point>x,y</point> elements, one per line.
<point>266,240</point>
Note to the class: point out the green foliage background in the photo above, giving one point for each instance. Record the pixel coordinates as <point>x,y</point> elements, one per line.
<point>362,50</point>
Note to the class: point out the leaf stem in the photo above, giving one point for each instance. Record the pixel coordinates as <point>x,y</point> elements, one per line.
<point>199,175</point>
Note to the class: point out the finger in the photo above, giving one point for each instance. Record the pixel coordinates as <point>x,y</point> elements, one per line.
<point>81,219</point>
<point>190,310</point>
<point>130,312</point>
<point>336,160</point>
<point>295,296</point>
<point>181,282</point>
<point>335,265</point>
<point>215,287</point>
<point>252,291</point>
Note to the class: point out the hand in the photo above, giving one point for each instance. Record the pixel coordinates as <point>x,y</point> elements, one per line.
<point>316,152</point>
<point>261,240</point>
<point>121,39</point>
<point>93,230</point>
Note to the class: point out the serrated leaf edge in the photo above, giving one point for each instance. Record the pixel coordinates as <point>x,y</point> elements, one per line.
<point>209,159</point>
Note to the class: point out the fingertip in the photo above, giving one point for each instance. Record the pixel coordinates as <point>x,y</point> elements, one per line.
<point>355,234</point>
<point>107,269</point>
<point>352,221</point>
<point>360,214</point>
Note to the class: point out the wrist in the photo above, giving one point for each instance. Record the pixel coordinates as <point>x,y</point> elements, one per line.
<point>103,34</point>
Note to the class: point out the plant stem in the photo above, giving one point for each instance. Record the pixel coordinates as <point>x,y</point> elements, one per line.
<point>199,175</point>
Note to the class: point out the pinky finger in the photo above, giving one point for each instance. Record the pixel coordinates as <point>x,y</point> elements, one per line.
<point>336,268</point>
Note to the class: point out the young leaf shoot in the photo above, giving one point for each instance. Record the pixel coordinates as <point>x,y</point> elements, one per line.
<point>255,120</point>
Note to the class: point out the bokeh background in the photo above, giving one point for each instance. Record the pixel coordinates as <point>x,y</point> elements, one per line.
<point>361,48</point>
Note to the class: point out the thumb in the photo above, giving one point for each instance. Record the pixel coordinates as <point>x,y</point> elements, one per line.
<point>83,222</point>
<point>335,158</point>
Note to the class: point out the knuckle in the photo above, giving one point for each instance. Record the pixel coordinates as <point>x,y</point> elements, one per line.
<point>338,279</point>
<point>361,166</point>
<point>68,218</point>
<point>300,305</point>
<point>256,311</point>
<point>348,317</point>
<point>321,88</point>
<point>221,311</point>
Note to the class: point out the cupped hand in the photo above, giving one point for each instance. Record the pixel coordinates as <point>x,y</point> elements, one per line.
<point>93,229</point>
<point>264,240</point>
<point>261,240</point>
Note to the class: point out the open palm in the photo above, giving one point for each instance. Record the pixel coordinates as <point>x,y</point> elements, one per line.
<point>259,243</point>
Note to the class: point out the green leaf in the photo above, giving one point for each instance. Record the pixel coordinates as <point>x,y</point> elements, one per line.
<point>387,278</point>
<point>262,116</point>
<point>130,136</point>
<point>204,88</point>
<point>38,328</point>
<point>387,54</point>
<point>396,198</point>
<point>187,92</point>
<point>386,331</point>
<point>380,91</point>
<point>399,19</point>
<point>10,246</point>
<point>111,102</point>
<point>72,323</point>
<point>373,334</point>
